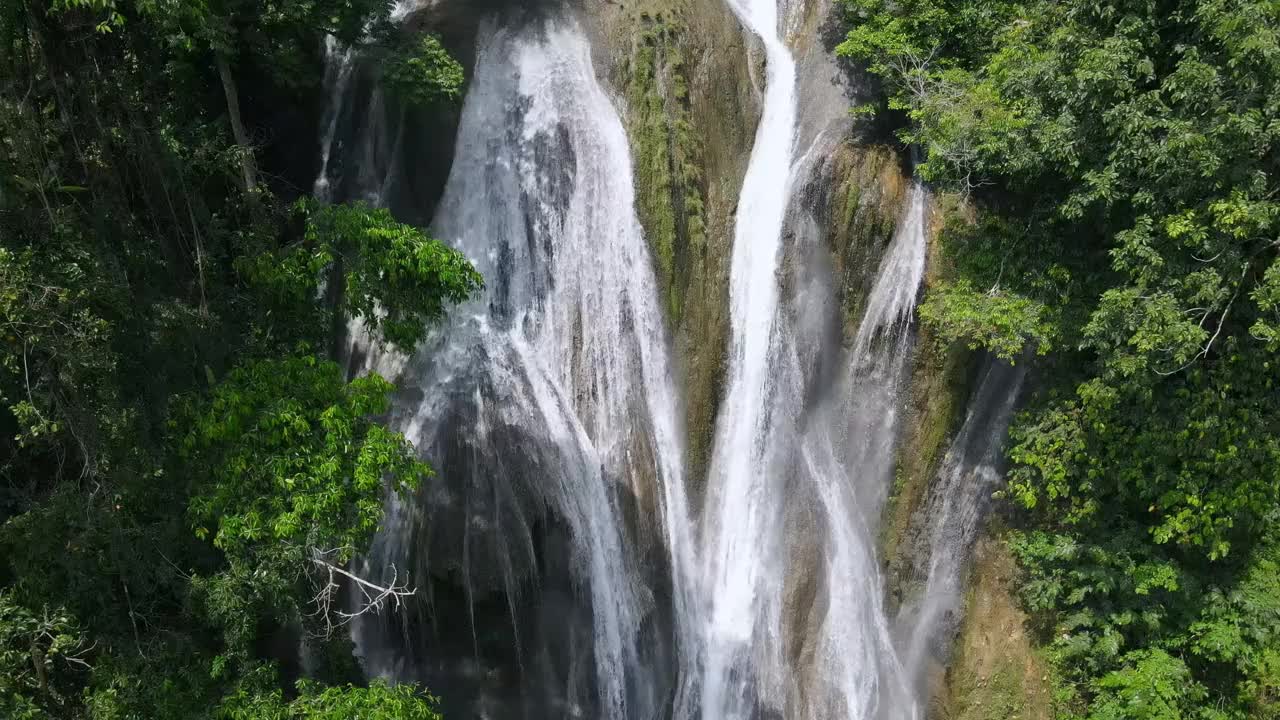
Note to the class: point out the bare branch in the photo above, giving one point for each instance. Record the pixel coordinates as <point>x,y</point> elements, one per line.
<point>1222,320</point>
<point>374,598</point>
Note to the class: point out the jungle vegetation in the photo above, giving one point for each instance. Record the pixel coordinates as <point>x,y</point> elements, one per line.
<point>1122,162</point>
<point>185,469</point>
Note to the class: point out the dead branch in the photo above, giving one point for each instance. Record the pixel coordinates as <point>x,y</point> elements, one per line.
<point>372,597</point>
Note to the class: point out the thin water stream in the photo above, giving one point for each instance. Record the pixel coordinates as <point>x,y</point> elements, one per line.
<point>953,515</point>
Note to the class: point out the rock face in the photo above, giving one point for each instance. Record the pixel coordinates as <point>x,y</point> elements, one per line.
<point>941,376</point>
<point>995,671</point>
<point>856,197</point>
<point>687,78</point>
<point>949,578</point>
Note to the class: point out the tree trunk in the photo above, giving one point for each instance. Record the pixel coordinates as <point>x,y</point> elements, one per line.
<point>37,662</point>
<point>335,293</point>
<point>237,126</point>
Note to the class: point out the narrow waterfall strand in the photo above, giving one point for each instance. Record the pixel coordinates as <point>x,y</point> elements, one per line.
<point>738,520</point>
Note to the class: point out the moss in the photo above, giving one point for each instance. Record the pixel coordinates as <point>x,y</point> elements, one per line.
<point>939,388</point>
<point>940,381</point>
<point>691,113</point>
<point>996,673</point>
<point>852,198</point>
<point>865,200</point>
<point>670,195</point>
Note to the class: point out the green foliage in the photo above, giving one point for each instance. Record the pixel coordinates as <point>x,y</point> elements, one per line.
<point>398,281</point>
<point>379,701</point>
<point>159,364</point>
<point>279,37</point>
<point>424,73</point>
<point>289,470</point>
<point>389,275</point>
<point>1002,323</point>
<point>1102,597</point>
<point>1120,158</point>
<point>40,655</point>
<point>286,452</point>
<point>1152,685</point>
<point>924,48</point>
<point>1267,296</point>
<point>1197,464</point>
<point>53,338</point>
<point>1240,627</point>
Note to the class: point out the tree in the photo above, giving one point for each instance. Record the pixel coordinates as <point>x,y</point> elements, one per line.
<point>288,472</point>
<point>390,276</point>
<point>423,73</point>
<point>1153,685</point>
<point>1120,158</point>
<point>379,701</point>
<point>277,38</point>
<point>164,344</point>
<point>40,653</point>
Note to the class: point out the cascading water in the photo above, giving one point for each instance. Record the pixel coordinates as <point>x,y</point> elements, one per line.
<point>371,164</point>
<point>879,358</point>
<point>740,526</point>
<point>560,568</point>
<point>848,445</point>
<point>781,513</point>
<point>546,406</point>
<point>956,506</point>
<point>337,78</point>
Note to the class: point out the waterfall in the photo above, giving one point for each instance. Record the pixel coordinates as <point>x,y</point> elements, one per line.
<point>879,359</point>
<point>337,79</point>
<point>546,406</point>
<point>956,506</point>
<point>741,523</point>
<point>560,568</point>
<point>794,623</point>
<point>848,446</point>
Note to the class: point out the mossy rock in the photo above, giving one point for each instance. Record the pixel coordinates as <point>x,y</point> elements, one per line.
<point>865,201</point>
<point>996,673</point>
<point>940,384</point>
<point>690,109</point>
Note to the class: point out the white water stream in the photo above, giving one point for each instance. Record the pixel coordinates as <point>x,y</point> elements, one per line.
<point>547,403</point>
<point>740,527</point>
<point>953,515</point>
<point>771,448</point>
